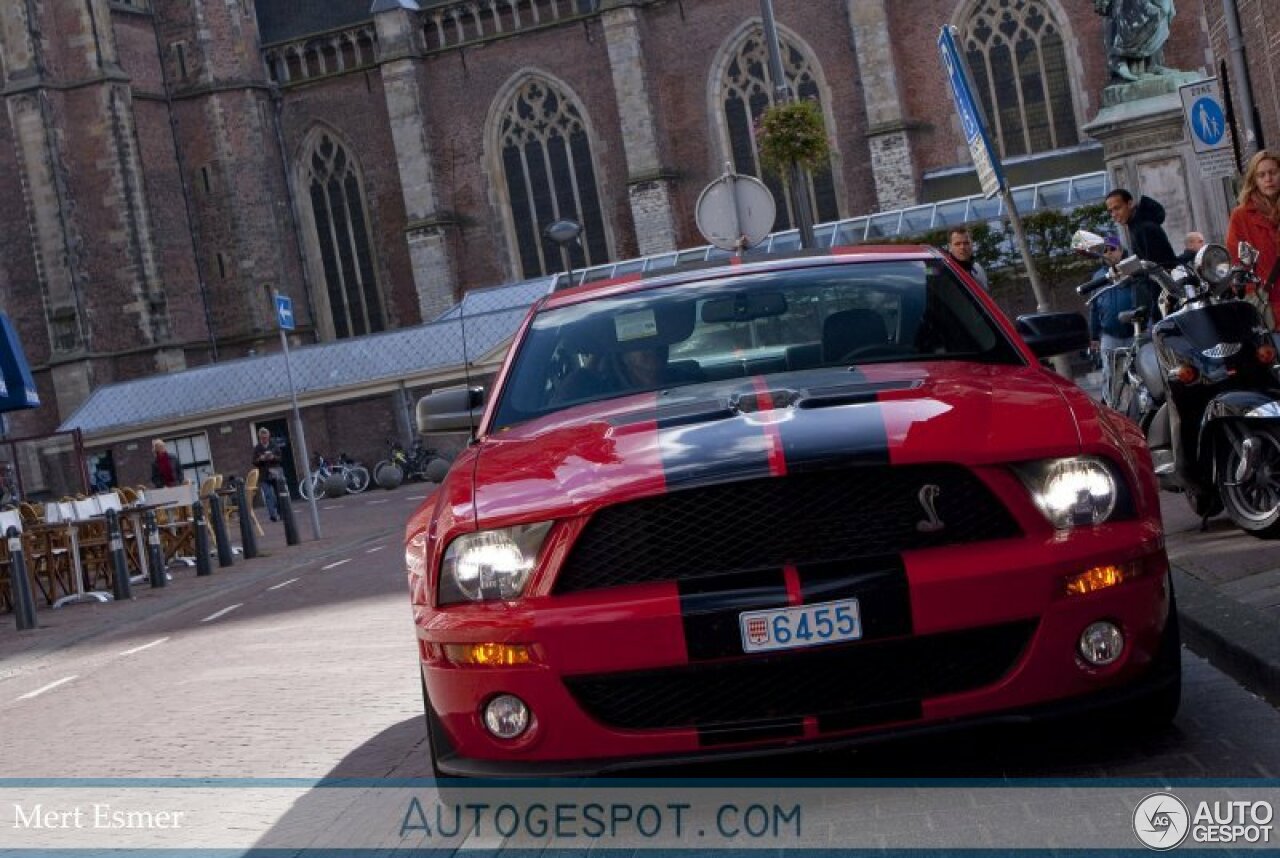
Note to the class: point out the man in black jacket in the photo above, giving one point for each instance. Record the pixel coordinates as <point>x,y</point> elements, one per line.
<point>1144,219</point>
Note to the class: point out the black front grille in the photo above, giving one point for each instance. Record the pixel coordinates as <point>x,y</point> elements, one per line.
<point>800,518</point>
<point>846,685</point>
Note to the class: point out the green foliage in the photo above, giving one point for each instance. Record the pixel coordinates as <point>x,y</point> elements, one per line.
<point>792,133</point>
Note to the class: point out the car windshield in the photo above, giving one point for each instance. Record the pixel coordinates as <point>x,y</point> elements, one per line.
<point>747,325</point>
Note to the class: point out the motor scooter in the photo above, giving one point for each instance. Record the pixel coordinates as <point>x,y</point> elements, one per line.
<point>1212,420</point>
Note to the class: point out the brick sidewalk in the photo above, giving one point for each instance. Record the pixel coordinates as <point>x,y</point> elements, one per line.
<point>355,520</point>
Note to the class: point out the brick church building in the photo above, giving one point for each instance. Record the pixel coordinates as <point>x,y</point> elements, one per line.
<point>164,164</point>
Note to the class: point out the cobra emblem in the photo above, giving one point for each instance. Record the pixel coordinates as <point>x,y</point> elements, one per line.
<point>931,523</point>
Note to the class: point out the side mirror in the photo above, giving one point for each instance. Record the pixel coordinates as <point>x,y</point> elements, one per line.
<point>1087,243</point>
<point>1049,334</point>
<point>456,409</point>
<point>1247,254</point>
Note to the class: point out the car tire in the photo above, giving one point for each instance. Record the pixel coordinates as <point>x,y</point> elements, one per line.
<point>446,784</point>
<point>1157,709</point>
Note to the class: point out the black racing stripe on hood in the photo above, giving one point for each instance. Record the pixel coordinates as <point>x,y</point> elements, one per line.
<point>710,608</point>
<point>852,432</point>
<point>878,583</point>
<point>717,451</point>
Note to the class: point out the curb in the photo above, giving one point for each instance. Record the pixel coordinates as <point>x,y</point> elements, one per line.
<point>1238,639</point>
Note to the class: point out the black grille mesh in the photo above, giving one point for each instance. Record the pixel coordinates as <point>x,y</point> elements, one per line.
<point>800,518</point>
<point>826,682</point>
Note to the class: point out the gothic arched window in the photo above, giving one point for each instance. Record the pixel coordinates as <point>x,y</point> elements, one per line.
<point>546,160</point>
<point>746,90</point>
<point>1017,55</point>
<point>354,304</point>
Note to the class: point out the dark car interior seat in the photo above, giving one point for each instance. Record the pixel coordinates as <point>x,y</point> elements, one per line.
<point>847,330</point>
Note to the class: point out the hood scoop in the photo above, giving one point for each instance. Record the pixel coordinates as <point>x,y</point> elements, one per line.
<point>853,393</point>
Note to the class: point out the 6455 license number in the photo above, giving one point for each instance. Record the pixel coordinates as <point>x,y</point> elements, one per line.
<point>807,625</point>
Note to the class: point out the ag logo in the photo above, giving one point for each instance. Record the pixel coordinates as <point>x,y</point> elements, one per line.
<point>1161,821</point>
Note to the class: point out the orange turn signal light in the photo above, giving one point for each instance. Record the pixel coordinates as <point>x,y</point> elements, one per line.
<point>488,654</point>
<point>1266,354</point>
<point>1184,373</point>
<point>1099,578</point>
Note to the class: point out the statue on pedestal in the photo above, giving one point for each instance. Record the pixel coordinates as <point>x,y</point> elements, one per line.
<point>1135,33</point>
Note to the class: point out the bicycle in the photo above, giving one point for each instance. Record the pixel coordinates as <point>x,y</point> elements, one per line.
<point>355,476</point>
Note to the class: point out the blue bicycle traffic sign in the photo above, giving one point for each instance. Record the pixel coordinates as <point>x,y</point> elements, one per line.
<point>284,312</point>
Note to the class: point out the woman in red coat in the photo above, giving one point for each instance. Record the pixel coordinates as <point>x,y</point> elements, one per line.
<point>1257,218</point>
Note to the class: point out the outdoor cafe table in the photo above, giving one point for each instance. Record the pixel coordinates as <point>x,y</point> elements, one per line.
<point>64,516</point>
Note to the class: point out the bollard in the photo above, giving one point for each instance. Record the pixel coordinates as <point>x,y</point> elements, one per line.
<point>121,587</point>
<point>225,555</point>
<point>285,503</point>
<point>203,566</point>
<point>24,605</point>
<point>248,539</point>
<point>155,554</point>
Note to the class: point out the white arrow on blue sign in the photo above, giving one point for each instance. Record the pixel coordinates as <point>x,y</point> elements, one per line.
<point>975,134</point>
<point>284,312</point>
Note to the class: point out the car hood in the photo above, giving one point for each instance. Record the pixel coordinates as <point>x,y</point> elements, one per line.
<point>576,460</point>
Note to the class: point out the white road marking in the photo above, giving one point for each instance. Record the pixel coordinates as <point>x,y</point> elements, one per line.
<point>416,497</point>
<point>331,506</point>
<point>223,611</point>
<point>337,563</point>
<point>49,687</point>
<point>375,502</point>
<point>374,548</point>
<point>283,584</point>
<point>144,646</point>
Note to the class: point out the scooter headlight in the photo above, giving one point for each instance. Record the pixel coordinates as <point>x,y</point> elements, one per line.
<point>1213,264</point>
<point>1077,492</point>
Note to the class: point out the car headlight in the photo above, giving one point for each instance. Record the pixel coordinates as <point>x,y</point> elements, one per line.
<point>1075,492</point>
<point>491,564</point>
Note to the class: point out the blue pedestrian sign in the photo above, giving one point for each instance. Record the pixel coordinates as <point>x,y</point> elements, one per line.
<point>284,312</point>
<point>1208,122</point>
<point>984,156</point>
<point>1206,119</point>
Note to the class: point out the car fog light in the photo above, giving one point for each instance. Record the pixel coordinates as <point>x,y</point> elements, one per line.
<point>506,716</point>
<point>1101,643</point>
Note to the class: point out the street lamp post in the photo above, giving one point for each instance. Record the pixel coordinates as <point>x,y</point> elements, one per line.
<point>563,232</point>
<point>782,94</point>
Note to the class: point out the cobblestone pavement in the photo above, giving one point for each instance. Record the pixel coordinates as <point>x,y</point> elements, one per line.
<point>301,664</point>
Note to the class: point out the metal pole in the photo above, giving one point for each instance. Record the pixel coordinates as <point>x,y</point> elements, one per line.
<point>248,539</point>
<point>797,179</point>
<point>24,603</point>
<point>121,586</point>
<point>1060,363</point>
<point>297,427</point>
<point>1240,71</point>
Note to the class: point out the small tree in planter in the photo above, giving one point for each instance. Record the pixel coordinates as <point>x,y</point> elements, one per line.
<point>792,134</point>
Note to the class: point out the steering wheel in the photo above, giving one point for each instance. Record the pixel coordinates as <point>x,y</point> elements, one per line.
<point>883,349</point>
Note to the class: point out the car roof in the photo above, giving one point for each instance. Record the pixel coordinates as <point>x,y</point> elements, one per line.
<point>694,272</point>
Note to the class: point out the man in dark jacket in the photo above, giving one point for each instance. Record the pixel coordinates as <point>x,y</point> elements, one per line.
<point>1143,219</point>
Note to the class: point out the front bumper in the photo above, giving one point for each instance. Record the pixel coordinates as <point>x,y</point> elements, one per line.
<point>640,631</point>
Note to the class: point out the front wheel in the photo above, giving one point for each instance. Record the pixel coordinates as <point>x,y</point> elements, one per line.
<point>1249,479</point>
<point>357,479</point>
<point>307,486</point>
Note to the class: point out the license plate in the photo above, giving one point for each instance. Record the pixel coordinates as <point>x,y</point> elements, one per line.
<point>807,625</point>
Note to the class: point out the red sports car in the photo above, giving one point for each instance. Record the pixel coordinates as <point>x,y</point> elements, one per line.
<point>786,504</point>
